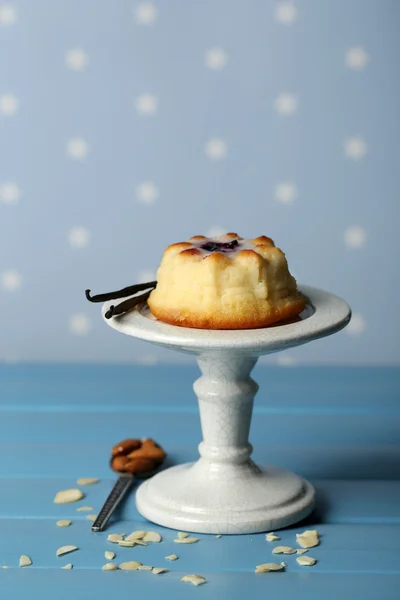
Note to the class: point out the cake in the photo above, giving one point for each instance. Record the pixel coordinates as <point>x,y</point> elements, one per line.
<point>225,282</point>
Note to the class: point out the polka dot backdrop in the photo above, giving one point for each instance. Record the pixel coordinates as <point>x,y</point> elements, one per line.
<point>126,126</point>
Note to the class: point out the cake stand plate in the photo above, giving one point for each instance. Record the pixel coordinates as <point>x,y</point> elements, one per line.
<point>225,491</point>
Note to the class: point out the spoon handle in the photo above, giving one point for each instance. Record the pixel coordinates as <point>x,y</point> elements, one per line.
<point>119,490</point>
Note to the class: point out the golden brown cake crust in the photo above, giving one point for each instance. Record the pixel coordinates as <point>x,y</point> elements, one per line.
<point>225,283</point>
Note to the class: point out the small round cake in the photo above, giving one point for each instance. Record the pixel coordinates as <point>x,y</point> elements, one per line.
<point>225,282</point>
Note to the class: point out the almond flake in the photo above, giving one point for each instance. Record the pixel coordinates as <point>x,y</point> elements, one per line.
<point>283,550</point>
<point>130,565</point>
<point>171,557</point>
<point>188,540</point>
<point>67,496</point>
<point>144,568</point>
<point>91,517</point>
<point>140,542</point>
<point>68,566</point>
<point>266,567</point>
<point>301,550</point>
<point>152,536</point>
<point>127,543</point>
<point>159,570</point>
<point>25,561</point>
<point>87,480</point>
<point>283,564</point>
<point>63,523</point>
<point>66,549</point>
<point>218,536</point>
<point>115,538</point>
<point>182,534</point>
<point>136,535</point>
<point>109,555</point>
<point>306,561</point>
<point>109,567</point>
<point>308,539</point>
<point>271,537</point>
<point>84,508</point>
<point>4,567</point>
<point>195,579</point>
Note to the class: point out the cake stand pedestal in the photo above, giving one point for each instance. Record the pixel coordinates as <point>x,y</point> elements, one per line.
<point>225,491</point>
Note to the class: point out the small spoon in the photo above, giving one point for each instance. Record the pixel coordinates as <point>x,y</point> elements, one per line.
<point>131,458</point>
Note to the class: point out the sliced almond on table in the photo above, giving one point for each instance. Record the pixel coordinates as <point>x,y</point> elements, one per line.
<point>25,561</point>
<point>171,557</point>
<point>140,542</point>
<point>271,537</point>
<point>4,567</point>
<point>301,550</point>
<point>131,565</point>
<point>182,534</point>
<point>188,540</point>
<point>66,549</point>
<point>136,535</point>
<point>306,561</point>
<point>266,567</point>
<point>109,555</point>
<point>87,480</point>
<point>67,496</point>
<point>109,567</point>
<point>159,570</point>
<point>68,566</point>
<point>152,536</point>
<point>115,538</point>
<point>127,543</point>
<point>91,517</point>
<point>144,568</point>
<point>283,550</point>
<point>308,539</point>
<point>218,536</point>
<point>283,564</point>
<point>195,579</point>
<point>84,508</point>
<point>63,523</point>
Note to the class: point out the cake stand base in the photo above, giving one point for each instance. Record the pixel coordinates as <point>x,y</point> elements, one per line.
<point>240,499</point>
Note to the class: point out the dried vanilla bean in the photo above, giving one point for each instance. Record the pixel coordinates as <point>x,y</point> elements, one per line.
<point>126,305</point>
<point>127,291</point>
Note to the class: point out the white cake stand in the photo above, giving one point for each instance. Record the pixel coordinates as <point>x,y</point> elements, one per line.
<point>225,491</point>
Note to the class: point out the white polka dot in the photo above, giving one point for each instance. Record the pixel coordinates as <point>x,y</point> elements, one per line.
<point>8,14</point>
<point>356,58</point>
<point>286,13</point>
<point>216,59</point>
<point>76,59</point>
<point>77,148</point>
<point>286,360</point>
<point>146,276</point>
<point>285,192</point>
<point>11,280</point>
<point>216,149</point>
<point>146,359</point>
<point>357,325</point>
<point>215,231</point>
<point>10,193</point>
<point>355,236</point>
<point>9,105</point>
<point>355,148</point>
<point>79,324</point>
<point>286,104</point>
<point>146,104</point>
<point>78,237</point>
<point>146,13</point>
<point>147,192</point>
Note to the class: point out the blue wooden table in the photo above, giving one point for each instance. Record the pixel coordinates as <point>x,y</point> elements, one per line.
<point>339,427</point>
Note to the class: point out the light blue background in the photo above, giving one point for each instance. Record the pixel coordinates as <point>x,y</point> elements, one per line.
<point>266,57</point>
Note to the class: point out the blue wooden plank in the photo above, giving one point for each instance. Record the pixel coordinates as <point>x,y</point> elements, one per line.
<point>301,390</point>
<point>337,501</point>
<point>320,430</point>
<point>81,584</point>
<point>52,459</point>
<point>343,548</point>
